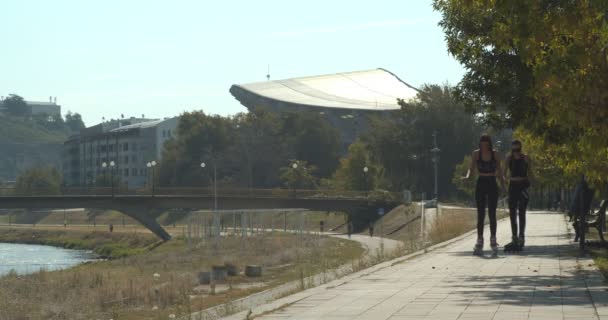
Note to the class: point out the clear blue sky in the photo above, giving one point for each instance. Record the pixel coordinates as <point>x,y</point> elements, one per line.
<point>160,58</point>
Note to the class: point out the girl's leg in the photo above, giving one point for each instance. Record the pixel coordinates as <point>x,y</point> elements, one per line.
<point>513,205</point>
<point>492,204</point>
<point>480,199</point>
<point>523,205</point>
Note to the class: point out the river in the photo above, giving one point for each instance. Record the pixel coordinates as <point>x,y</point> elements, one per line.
<point>27,258</point>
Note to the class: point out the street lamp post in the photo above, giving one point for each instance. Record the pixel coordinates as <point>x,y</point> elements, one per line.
<point>104,165</point>
<point>435,158</point>
<point>203,165</point>
<point>365,170</point>
<point>152,165</point>
<point>111,165</point>
<point>295,168</point>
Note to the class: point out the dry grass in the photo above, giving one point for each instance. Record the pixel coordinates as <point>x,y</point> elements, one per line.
<point>454,222</point>
<point>127,288</point>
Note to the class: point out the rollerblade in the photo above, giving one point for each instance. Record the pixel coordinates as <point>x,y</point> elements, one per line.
<point>514,245</point>
<point>521,242</point>
<point>478,249</point>
<point>494,246</point>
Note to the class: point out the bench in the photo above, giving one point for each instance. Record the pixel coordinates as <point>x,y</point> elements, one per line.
<point>591,219</point>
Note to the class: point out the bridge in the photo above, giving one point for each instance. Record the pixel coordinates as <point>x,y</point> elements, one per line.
<point>140,204</point>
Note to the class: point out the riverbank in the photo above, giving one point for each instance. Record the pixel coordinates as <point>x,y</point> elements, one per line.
<point>105,245</point>
<point>154,281</point>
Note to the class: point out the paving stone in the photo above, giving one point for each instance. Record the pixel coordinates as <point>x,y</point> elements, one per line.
<point>546,281</point>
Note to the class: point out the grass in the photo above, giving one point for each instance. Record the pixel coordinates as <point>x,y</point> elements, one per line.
<point>105,244</point>
<point>454,222</point>
<point>126,288</point>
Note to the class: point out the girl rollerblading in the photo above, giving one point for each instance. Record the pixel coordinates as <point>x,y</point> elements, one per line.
<point>518,167</point>
<point>486,161</point>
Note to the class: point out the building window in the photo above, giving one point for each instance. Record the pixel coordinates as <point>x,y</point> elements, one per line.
<point>126,160</point>
<point>126,172</point>
<point>125,146</point>
<point>142,172</point>
<point>169,132</point>
<point>134,146</point>
<point>164,134</point>
<point>111,147</point>
<point>134,172</point>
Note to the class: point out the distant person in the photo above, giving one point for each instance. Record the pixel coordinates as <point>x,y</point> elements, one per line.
<point>111,228</point>
<point>518,167</point>
<point>321,226</point>
<point>349,228</point>
<point>371,229</point>
<point>558,200</point>
<point>486,161</point>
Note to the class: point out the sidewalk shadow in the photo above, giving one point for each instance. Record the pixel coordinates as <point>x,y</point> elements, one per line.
<point>525,290</point>
<point>561,251</point>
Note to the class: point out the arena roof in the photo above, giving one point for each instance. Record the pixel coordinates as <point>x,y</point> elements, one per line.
<point>376,89</point>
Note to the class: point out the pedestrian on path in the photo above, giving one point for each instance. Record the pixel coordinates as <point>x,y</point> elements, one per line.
<point>349,227</point>
<point>486,161</point>
<point>518,167</point>
<point>371,229</point>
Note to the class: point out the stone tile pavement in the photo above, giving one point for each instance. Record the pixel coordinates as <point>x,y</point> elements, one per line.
<point>547,281</point>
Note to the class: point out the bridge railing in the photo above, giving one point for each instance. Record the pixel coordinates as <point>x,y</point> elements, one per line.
<point>209,192</point>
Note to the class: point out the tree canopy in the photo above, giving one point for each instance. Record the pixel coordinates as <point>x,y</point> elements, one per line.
<point>539,65</point>
<point>401,144</point>
<point>39,181</point>
<point>248,149</point>
<point>15,105</point>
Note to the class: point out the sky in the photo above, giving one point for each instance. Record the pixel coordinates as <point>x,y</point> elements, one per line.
<point>161,58</point>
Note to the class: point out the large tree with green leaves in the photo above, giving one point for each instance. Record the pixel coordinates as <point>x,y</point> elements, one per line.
<point>540,65</point>
<point>357,171</point>
<point>200,138</point>
<point>74,122</point>
<point>15,105</point>
<point>401,144</point>
<point>248,149</point>
<point>39,181</point>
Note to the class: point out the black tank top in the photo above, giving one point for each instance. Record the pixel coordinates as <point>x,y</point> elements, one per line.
<point>518,167</point>
<point>486,166</point>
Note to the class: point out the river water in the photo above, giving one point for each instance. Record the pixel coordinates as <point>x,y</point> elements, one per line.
<point>27,258</point>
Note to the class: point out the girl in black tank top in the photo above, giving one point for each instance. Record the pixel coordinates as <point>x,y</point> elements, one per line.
<point>519,166</point>
<point>486,190</point>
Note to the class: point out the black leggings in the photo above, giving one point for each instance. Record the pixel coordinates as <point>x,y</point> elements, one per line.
<point>518,202</point>
<point>486,193</point>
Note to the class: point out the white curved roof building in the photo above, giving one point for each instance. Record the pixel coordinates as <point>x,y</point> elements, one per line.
<point>369,90</point>
<point>347,99</point>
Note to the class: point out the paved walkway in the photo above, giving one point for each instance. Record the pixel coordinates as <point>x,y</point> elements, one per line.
<point>548,281</point>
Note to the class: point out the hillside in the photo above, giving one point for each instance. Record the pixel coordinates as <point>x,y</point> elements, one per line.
<point>18,130</point>
<point>26,143</point>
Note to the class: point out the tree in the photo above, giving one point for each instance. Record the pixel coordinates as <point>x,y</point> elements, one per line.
<point>401,144</point>
<point>200,138</point>
<point>538,65</point>
<point>313,140</point>
<point>249,148</point>
<point>298,174</point>
<point>351,173</point>
<point>465,186</point>
<point>39,181</point>
<point>74,121</point>
<point>15,105</point>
